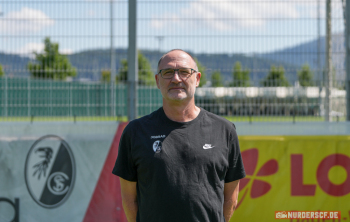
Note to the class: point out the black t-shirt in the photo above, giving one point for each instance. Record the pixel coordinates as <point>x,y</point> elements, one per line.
<point>180,168</point>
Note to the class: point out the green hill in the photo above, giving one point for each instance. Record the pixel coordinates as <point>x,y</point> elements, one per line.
<point>89,63</point>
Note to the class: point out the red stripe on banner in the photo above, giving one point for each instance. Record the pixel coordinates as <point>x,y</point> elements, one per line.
<point>106,201</point>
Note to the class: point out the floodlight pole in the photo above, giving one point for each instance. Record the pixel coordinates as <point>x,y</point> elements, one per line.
<point>160,40</point>
<point>132,61</point>
<point>347,48</point>
<point>113,62</point>
<point>328,102</point>
<point>319,69</point>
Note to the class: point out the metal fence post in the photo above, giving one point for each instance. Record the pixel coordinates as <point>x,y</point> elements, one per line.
<point>347,48</point>
<point>29,106</point>
<point>51,103</point>
<point>106,101</point>
<point>6,96</point>
<point>132,61</point>
<point>113,62</point>
<point>328,61</point>
<point>70,99</point>
<point>88,100</point>
<point>319,69</point>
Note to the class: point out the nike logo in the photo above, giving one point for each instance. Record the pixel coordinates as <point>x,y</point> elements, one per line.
<point>208,146</point>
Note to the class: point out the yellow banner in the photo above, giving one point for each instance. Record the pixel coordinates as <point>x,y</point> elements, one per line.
<point>294,173</point>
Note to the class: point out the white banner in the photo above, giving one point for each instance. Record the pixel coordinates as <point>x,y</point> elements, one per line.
<point>49,171</point>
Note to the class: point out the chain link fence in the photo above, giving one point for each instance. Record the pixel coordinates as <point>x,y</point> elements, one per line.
<point>260,60</point>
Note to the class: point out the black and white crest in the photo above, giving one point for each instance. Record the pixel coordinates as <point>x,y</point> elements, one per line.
<point>50,171</point>
<point>157,146</point>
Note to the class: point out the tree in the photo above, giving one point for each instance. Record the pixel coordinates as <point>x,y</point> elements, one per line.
<point>240,77</point>
<point>51,64</point>
<point>275,77</point>
<point>105,75</point>
<point>146,76</point>
<point>1,71</point>
<point>202,70</point>
<point>305,76</point>
<point>216,79</point>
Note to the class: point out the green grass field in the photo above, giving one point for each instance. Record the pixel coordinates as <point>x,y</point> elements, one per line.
<point>124,118</point>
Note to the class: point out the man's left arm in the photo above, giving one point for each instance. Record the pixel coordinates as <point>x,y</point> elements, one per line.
<point>231,191</point>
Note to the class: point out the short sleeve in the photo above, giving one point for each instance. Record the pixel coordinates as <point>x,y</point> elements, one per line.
<point>236,168</point>
<point>124,166</point>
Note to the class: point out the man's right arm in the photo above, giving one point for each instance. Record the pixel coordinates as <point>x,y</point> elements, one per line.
<point>129,199</point>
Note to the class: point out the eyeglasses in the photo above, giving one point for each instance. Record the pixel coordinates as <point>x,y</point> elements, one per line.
<point>184,73</point>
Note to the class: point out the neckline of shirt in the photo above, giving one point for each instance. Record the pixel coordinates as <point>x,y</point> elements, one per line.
<point>179,124</point>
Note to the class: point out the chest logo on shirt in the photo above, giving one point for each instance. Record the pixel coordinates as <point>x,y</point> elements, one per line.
<point>208,146</point>
<point>157,146</point>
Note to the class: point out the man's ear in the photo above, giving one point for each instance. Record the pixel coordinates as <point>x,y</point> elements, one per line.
<point>198,78</point>
<point>156,76</point>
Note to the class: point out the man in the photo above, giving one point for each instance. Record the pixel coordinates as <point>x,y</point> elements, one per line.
<point>180,163</point>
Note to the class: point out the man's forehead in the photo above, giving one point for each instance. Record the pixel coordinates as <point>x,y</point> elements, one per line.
<point>177,56</point>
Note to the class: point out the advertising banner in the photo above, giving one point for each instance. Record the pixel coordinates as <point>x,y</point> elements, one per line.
<point>63,173</point>
<point>294,173</point>
<point>60,173</point>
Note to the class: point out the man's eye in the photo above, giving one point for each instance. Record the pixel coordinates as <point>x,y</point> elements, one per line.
<point>168,72</point>
<point>185,71</point>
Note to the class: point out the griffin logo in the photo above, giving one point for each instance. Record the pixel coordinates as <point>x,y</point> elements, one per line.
<point>50,171</point>
<point>41,167</point>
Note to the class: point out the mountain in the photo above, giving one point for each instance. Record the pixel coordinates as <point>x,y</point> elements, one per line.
<point>259,67</point>
<point>307,53</point>
<point>14,65</point>
<point>90,62</point>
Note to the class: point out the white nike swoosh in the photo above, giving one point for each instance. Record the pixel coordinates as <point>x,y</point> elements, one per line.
<point>208,147</point>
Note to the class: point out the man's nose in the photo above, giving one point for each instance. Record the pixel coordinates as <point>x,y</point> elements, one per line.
<point>176,77</point>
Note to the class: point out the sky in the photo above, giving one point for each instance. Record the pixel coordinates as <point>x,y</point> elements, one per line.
<point>200,26</point>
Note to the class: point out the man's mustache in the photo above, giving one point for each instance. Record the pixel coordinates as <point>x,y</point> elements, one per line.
<point>177,85</point>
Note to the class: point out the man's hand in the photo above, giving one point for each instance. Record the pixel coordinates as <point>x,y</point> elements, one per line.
<point>230,198</point>
<point>129,199</point>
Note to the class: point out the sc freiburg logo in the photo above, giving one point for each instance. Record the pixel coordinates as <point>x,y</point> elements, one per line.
<point>50,171</point>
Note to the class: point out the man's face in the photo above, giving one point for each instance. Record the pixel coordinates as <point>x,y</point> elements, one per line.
<point>177,89</point>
